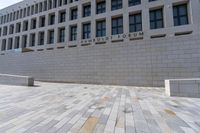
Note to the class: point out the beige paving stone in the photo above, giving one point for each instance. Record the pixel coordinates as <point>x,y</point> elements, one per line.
<point>89,125</point>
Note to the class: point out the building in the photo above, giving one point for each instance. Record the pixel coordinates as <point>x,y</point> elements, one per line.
<point>124,42</point>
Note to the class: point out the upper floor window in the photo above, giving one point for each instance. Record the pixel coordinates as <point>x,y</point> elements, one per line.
<point>156,19</point>
<point>117,25</point>
<point>10,43</point>
<point>51,19</point>
<point>32,39</point>
<point>135,22</point>
<point>73,31</point>
<point>25,25</point>
<point>134,2</point>
<point>33,23</point>
<point>17,39</point>
<point>3,46</point>
<point>74,13</point>
<point>41,38</point>
<point>61,35</point>
<point>86,31</point>
<point>50,36</point>
<point>42,21</point>
<point>100,28</point>
<point>11,29</point>
<point>62,15</point>
<point>116,4</point>
<point>24,41</point>
<point>18,27</point>
<point>101,7</point>
<point>180,14</point>
<point>86,10</point>
<point>5,30</point>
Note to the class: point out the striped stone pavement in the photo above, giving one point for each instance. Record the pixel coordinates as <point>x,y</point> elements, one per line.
<point>82,108</point>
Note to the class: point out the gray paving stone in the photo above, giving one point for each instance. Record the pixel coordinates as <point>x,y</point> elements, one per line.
<point>60,108</point>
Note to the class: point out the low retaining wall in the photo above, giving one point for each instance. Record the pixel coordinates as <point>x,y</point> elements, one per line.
<point>183,87</point>
<point>16,80</point>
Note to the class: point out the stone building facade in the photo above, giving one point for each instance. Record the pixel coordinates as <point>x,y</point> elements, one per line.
<point>123,42</point>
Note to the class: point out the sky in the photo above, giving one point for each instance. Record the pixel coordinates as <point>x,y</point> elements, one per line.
<point>5,3</point>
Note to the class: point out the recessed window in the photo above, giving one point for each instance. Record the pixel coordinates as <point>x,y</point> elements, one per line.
<point>11,29</point>
<point>116,4</point>
<point>32,39</point>
<point>41,38</point>
<point>117,25</point>
<point>10,43</point>
<point>134,2</point>
<point>74,14</point>
<point>180,14</point>
<point>51,19</point>
<point>135,22</point>
<point>61,35</point>
<point>3,46</point>
<point>62,15</point>
<point>33,23</point>
<point>73,31</point>
<point>86,10</point>
<point>25,25</point>
<point>18,27</point>
<point>101,7</point>
<point>50,36</point>
<point>86,31</point>
<point>59,2</point>
<point>156,19</point>
<point>42,21</point>
<point>17,41</point>
<point>5,30</point>
<point>0,31</point>
<point>55,3</point>
<point>100,28</point>
<point>24,41</point>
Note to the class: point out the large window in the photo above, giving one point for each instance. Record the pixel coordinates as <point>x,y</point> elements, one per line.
<point>117,25</point>
<point>51,19</point>
<point>5,30</point>
<point>50,36</point>
<point>11,29</point>
<point>134,2</point>
<point>61,35</point>
<point>3,46</point>
<point>32,39</point>
<point>73,35</point>
<point>42,21</point>
<point>180,13</point>
<point>116,4</point>
<point>10,43</point>
<point>74,13</point>
<point>100,28</point>
<point>17,39</point>
<point>86,31</point>
<point>156,19</point>
<point>25,25</point>
<point>24,41</point>
<point>62,16</point>
<point>41,38</point>
<point>86,10</point>
<point>33,23</point>
<point>135,22</point>
<point>18,27</point>
<point>101,7</point>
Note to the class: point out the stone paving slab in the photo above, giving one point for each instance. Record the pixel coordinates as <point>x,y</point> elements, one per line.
<point>82,108</point>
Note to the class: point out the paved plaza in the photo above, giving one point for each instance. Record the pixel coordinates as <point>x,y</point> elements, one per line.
<point>82,108</point>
